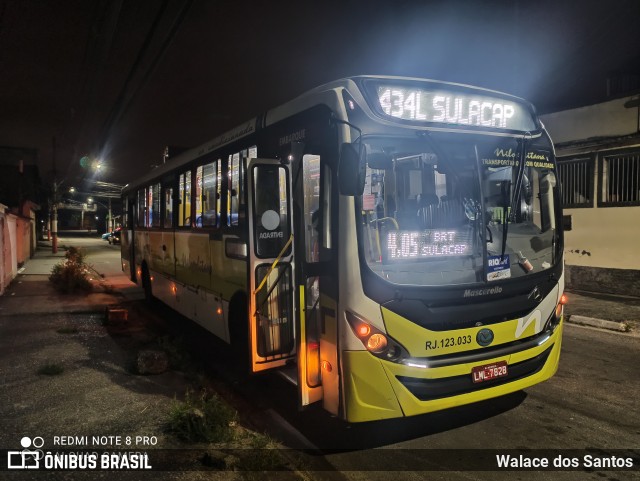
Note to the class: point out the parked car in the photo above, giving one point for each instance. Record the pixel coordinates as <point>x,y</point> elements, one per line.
<point>106,235</point>
<point>114,238</point>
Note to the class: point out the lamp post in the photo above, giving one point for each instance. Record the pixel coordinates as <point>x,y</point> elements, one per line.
<point>54,216</point>
<point>109,224</point>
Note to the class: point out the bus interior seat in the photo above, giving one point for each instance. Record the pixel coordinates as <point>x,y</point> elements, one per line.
<point>427,210</point>
<point>445,213</point>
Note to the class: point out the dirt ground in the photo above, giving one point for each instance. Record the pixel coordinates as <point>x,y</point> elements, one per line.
<point>98,393</point>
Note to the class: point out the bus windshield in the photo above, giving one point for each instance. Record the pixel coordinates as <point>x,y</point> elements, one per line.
<point>449,209</point>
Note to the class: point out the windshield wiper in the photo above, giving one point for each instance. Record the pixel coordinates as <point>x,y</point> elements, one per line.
<point>510,199</point>
<point>520,173</point>
<point>505,188</point>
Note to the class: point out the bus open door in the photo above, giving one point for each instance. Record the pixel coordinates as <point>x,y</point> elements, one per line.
<point>271,268</point>
<point>279,334</point>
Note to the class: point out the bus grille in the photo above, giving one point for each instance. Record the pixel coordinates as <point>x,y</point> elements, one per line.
<point>430,389</point>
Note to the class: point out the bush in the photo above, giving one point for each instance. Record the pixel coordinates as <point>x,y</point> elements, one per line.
<point>51,369</point>
<point>203,418</point>
<point>72,274</point>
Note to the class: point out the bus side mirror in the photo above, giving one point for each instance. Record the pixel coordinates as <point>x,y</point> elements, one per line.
<point>351,168</point>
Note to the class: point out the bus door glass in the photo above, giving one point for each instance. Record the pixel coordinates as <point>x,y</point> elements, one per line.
<point>309,378</point>
<point>271,269</point>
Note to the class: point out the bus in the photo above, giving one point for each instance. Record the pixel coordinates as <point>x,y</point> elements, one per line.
<point>393,246</point>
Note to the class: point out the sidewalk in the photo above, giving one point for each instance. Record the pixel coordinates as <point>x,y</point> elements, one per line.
<point>32,292</point>
<point>604,311</point>
<point>64,373</point>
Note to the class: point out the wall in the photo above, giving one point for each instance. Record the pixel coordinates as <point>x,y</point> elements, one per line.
<point>601,252</point>
<point>17,241</point>
<point>3,224</point>
<point>603,237</point>
<point>607,119</point>
<point>8,247</point>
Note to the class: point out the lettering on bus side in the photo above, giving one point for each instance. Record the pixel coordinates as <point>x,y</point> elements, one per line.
<point>271,235</point>
<point>292,137</point>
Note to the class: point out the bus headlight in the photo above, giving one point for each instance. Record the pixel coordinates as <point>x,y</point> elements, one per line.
<point>556,316</point>
<point>375,341</point>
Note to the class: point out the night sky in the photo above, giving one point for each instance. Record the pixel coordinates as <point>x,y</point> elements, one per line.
<point>122,78</point>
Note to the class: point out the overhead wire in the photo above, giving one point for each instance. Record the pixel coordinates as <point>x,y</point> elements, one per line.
<point>122,106</point>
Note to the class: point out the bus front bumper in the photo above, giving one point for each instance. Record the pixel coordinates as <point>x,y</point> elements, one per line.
<point>376,389</point>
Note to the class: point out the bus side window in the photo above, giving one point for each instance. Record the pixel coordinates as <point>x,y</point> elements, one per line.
<point>198,196</point>
<point>317,208</point>
<point>218,205</point>
<point>167,194</point>
<point>326,209</point>
<point>234,193</point>
<point>311,206</point>
<point>149,203</point>
<point>206,196</point>
<point>154,206</point>
<point>125,213</point>
<point>142,208</point>
<point>184,200</point>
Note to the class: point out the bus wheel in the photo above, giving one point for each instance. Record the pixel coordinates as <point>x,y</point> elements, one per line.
<point>146,283</point>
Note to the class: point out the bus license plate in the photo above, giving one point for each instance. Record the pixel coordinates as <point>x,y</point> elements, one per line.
<point>489,371</point>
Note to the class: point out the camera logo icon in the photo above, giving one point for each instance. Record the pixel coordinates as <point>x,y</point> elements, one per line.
<point>27,458</point>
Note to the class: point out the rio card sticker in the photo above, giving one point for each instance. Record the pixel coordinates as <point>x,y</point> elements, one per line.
<point>498,267</point>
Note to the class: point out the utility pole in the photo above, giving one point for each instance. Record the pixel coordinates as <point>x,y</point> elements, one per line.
<point>54,219</point>
<point>110,227</point>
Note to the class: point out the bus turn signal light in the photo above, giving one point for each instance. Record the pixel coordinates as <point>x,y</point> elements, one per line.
<point>563,299</point>
<point>374,340</point>
<point>363,330</point>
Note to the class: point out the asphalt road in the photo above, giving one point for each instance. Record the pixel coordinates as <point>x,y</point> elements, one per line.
<point>593,402</point>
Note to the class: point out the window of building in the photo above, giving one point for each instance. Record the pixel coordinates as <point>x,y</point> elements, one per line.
<point>620,179</point>
<point>576,176</point>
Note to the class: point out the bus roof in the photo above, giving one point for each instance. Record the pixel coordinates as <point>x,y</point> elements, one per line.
<point>327,93</point>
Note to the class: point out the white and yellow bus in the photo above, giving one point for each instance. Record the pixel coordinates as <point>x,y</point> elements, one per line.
<point>392,245</point>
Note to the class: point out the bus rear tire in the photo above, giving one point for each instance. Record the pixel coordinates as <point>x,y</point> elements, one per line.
<point>146,283</point>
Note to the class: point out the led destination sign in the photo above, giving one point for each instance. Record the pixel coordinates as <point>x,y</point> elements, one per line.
<point>408,245</point>
<point>454,108</point>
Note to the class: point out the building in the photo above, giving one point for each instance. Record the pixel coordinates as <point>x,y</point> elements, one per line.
<point>20,187</point>
<point>598,151</point>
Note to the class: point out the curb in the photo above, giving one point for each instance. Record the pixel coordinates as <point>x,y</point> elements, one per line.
<point>599,323</point>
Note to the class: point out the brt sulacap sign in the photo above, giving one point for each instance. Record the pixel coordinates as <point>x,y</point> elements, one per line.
<point>452,107</point>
